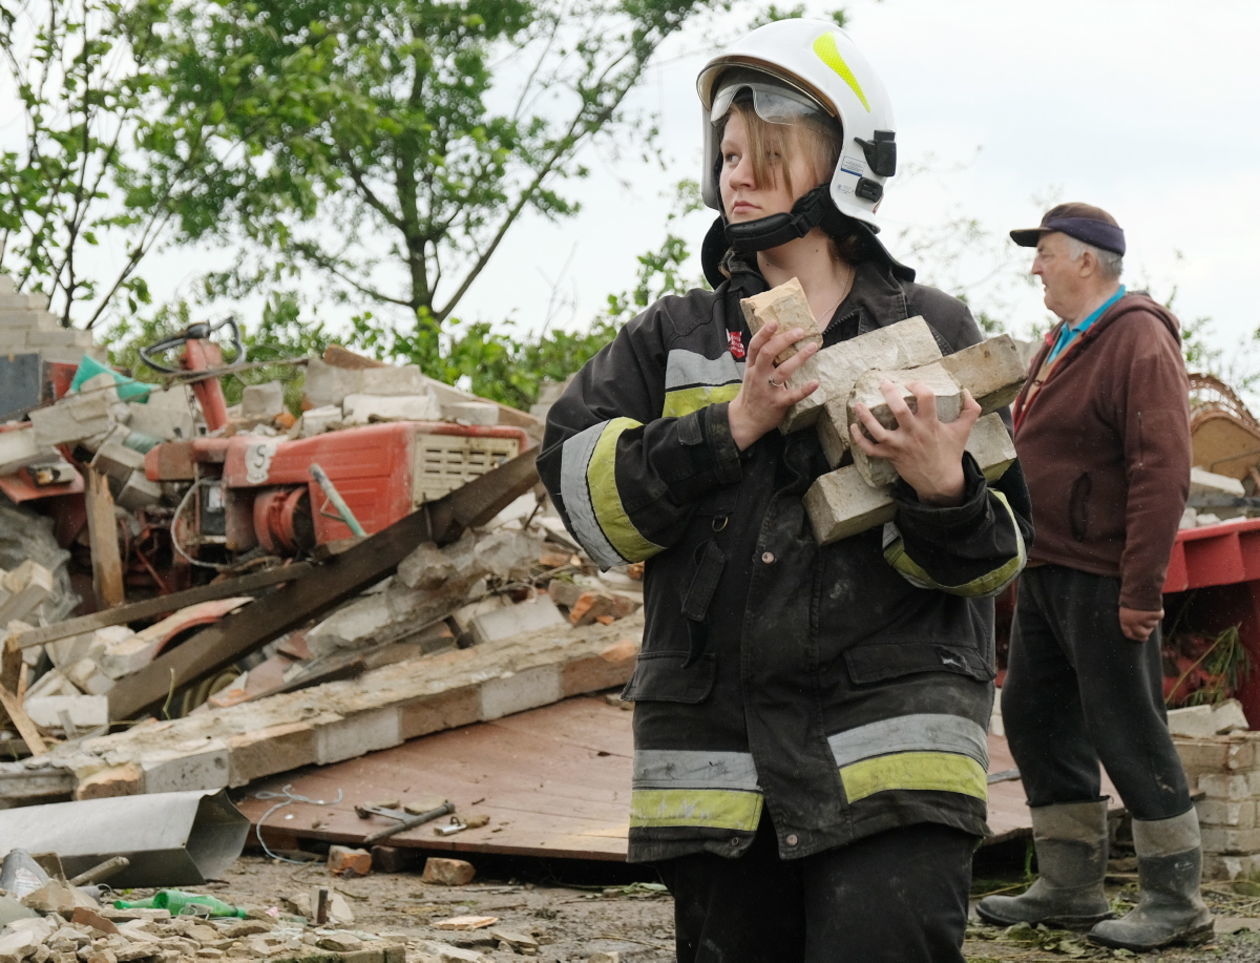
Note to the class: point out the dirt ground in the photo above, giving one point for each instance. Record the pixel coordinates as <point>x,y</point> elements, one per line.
<point>608,913</point>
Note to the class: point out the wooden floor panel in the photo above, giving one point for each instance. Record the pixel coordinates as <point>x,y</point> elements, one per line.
<point>553,781</point>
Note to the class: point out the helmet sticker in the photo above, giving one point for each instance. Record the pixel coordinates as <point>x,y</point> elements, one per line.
<point>829,53</point>
<point>852,165</point>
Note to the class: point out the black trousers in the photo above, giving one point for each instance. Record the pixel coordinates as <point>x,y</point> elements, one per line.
<point>1078,692</point>
<point>897,897</point>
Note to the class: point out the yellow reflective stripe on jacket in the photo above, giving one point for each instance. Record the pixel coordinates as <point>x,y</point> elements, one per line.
<point>924,751</point>
<point>690,787</point>
<point>694,381</point>
<point>684,402</point>
<point>923,771</point>
<point>990,583</point>
<point>588,485</point>
<point>732,809</point>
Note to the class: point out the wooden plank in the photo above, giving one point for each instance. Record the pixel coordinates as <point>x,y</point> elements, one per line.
<point>29,732</point>
<point>163,604</point>
<point>327,586</point>
<point>554,781</point>
<point>107,575</point>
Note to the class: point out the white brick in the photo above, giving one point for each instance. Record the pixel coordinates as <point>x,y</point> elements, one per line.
<point>73,418</point>
<point>1234,814</point>
<point>514,619</point>
<point>1232,841</point>
<point>357,734</point>
<point>262,401</point>
<point>86,711</point>
<point>200,765</point>
<point>518,691</point>
<point>471,413</point>
<point>1233,787</point>
<point>18,447</point>
<point>89,677</point>
<point>27,586</point>
<point>364,409</point>
<point>867,392</point>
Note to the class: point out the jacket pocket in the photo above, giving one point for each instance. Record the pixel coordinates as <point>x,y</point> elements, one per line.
<point>1078,506</point>
<point>671,676</point>
<point>869,664</point>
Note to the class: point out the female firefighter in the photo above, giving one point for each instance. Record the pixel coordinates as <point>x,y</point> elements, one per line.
<point>810,749</point>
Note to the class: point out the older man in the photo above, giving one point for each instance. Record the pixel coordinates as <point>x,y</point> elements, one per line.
<point>1102,431</point>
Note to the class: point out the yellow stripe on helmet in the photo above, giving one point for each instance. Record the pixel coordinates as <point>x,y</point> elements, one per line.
<point>827,51</point>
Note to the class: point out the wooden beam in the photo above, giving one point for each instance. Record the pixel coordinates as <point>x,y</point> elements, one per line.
<point>338,579</point>
<point>29,732</point>
<point>107,575</point>
<point>161,604</point>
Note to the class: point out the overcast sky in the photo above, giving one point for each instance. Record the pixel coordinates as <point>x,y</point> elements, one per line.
<point>1147,108</point>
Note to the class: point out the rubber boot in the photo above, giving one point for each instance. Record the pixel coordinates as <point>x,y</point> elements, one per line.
<point>1071,844</point>
<point>1170,909</point>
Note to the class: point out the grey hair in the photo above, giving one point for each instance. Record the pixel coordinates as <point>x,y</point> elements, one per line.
<point>1110,264</point>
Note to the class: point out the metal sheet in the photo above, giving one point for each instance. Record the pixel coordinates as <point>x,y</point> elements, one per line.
<point>170,839</point>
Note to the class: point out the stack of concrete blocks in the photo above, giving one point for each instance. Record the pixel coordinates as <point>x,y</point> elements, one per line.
<point>337,397</point>
<point>28,327</point>
<point>858,496</point>
<point>95,418</point>
<point>1221,757</point>
<point>1220,499</point>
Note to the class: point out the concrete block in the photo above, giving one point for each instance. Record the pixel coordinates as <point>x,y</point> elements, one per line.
<point>86,711</point>
<point>447,872</point>
<point>121,780</point>
<point>1200,721</point>
<point>361,409</point>
<point>406,379</point>
<point>358,734</point>
<point>609,668</point>
<point>73,418</point>
<point>116,459</point>
<point>1215,755</point>
<point>88,645</point>
<point>316,421</point>
<point>349,861</point>
<point>52,683</point>
<point>1235,814</point>
<point>198,764</point>
<point>41,337</point>
<point>517,691</point>
<point>441,711</point>
<point>1230,841</point>
<point>902,345</point>
<point>137,492</point>
<point>273,749</point>
<point>327,384</point>
<point>866,391</point>
<point>471,413</point>
<point>1228,788</point>
<point>512,620</point>
<point>1230,867</point>
<point>25,589</point>
<point>18,447</point>
<point>262,401</point>
<point>787,306</point>
<point>123,655</point>
<point>993,371</point>
<point>16,302</point>
<point>88,676</point>
<point>1204,482</point>
<point>167,415</point>
<point>840,503</point>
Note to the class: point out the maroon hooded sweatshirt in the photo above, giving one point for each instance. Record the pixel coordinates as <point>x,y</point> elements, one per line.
<point>1104,440</point>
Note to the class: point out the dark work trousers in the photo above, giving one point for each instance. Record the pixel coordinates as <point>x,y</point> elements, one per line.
<point>1078,692</point>
<point>899,896</point>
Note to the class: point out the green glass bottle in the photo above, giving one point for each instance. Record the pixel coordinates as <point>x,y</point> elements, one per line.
<point>177,901</point>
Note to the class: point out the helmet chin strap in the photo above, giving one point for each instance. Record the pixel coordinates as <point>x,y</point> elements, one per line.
<point>807,213</point>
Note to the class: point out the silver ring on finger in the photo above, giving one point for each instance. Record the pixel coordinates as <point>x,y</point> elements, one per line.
<point>776,383</point>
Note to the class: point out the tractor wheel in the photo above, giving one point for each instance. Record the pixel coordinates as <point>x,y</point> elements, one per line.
<point>24,534</point>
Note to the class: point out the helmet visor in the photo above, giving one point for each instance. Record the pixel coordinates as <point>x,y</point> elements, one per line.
<point>773,103</point>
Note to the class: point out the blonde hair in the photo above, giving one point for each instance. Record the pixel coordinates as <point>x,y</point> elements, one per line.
<point>818,139</point>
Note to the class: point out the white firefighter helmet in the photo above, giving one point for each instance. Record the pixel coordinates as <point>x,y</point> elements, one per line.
<point>789,63</point>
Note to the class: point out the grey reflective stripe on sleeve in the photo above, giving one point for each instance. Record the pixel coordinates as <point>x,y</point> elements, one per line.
<point>574,489</point>
<point>925,732</point>
<point>676,768</point>
<point>688,369</point>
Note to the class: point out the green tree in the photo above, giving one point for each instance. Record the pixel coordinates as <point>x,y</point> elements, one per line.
<point>387,148</point>
<point>79,88</point>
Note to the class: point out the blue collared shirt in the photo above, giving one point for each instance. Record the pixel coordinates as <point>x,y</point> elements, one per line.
<point>1071,332</point>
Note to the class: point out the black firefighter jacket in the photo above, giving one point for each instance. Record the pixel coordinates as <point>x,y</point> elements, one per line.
<point>845,689</point>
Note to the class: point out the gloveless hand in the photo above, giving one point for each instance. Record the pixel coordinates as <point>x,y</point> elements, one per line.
<point>925,451</point>
<point>1137,624</point>
<point>768,392</point>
